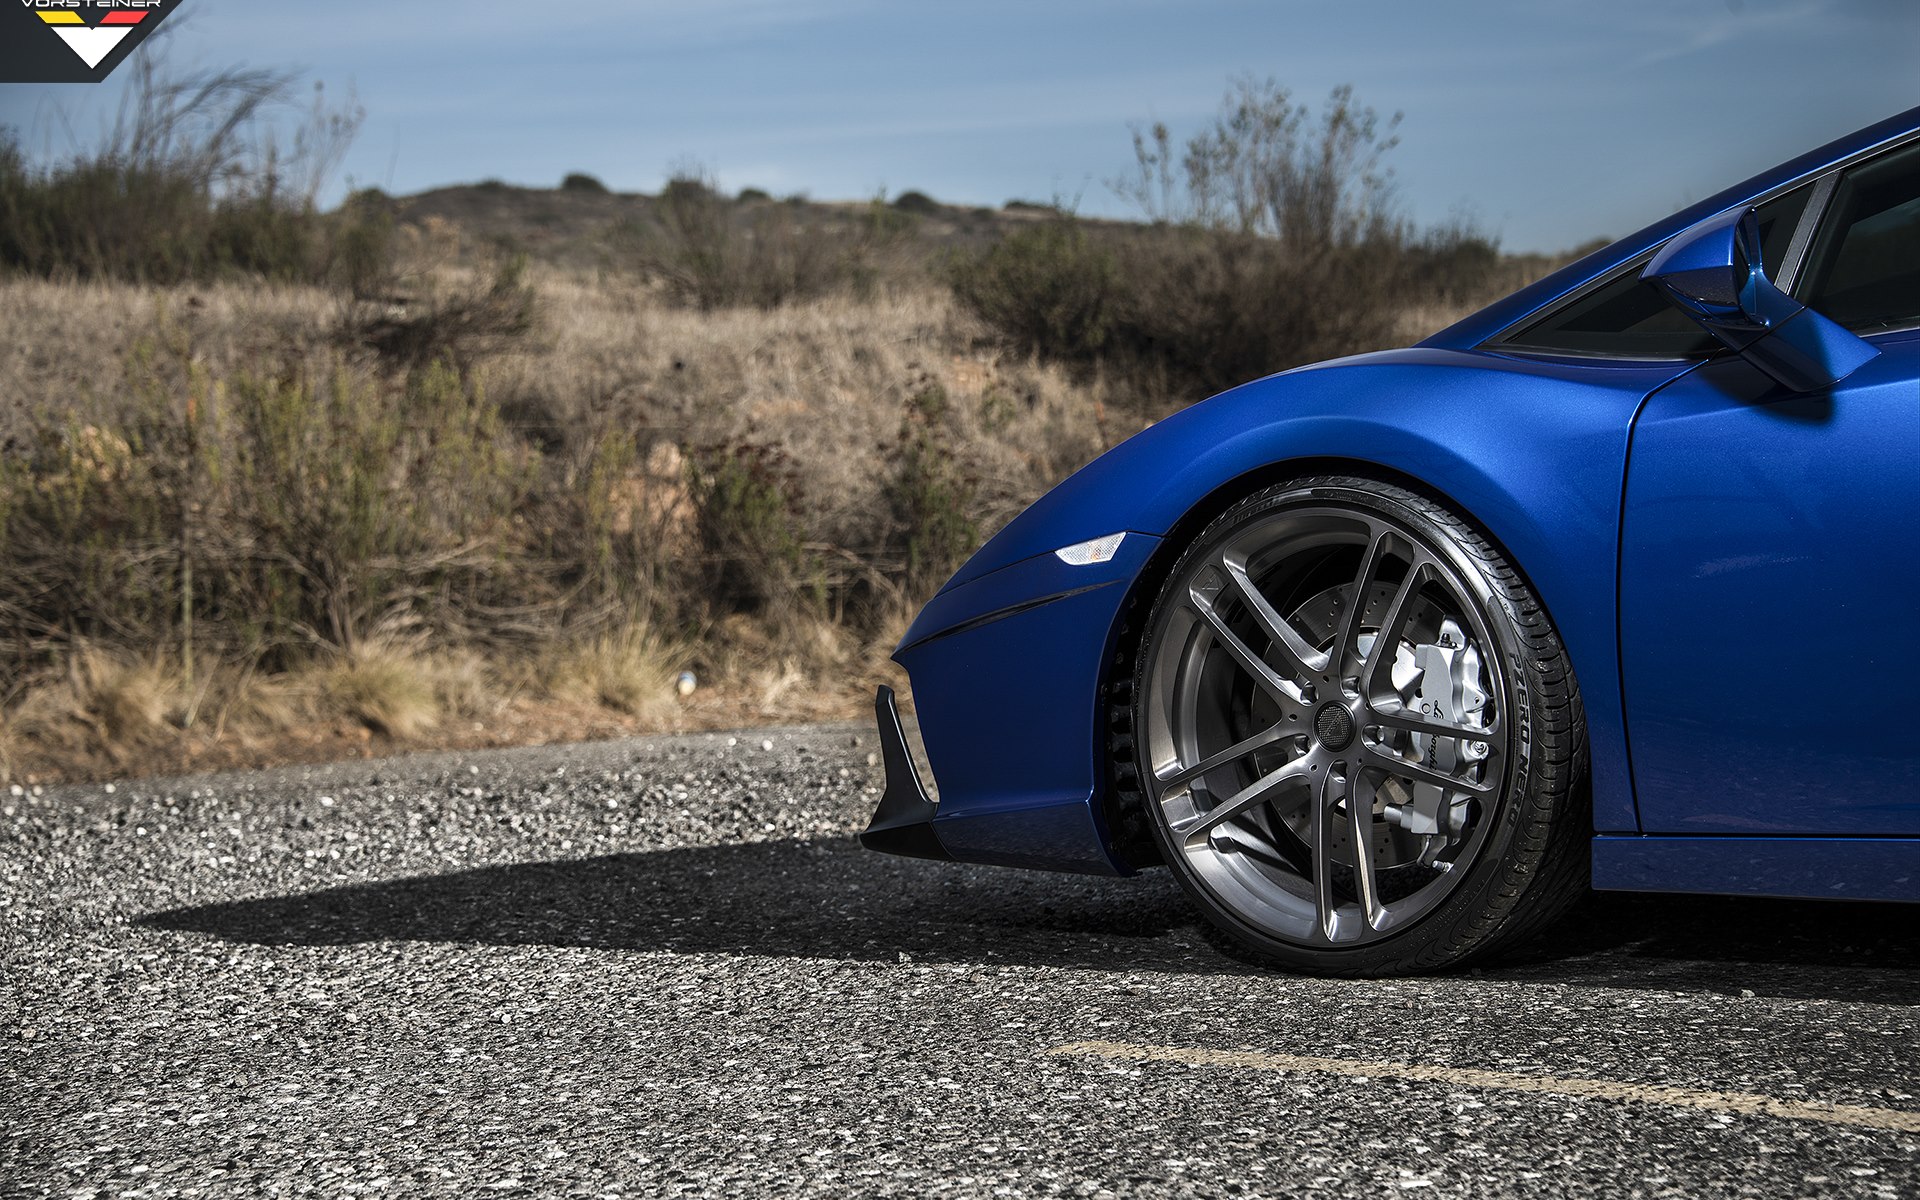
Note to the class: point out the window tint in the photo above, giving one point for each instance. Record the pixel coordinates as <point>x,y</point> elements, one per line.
<point>1632,319</point>
<point>1866,263</point>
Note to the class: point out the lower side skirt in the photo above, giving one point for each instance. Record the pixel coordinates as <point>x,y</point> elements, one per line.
<point>1812,868</point>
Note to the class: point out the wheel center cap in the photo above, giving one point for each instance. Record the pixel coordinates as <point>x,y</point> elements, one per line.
<point>1333,726</point>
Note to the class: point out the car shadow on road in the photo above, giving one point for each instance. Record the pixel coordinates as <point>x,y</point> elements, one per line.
<point>830,899</point>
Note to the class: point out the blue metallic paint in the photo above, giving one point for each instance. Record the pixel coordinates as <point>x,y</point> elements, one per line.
<point>1773,536</point>
<point>1714,272</point>
<point>1807,868</point>
<point>1007,661</point>
<point>1009,714</point>
<point>1533,449</point>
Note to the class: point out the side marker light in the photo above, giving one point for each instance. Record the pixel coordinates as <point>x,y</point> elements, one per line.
<point>1085,554</point>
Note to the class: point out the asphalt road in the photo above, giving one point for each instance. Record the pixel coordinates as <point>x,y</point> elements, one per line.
<point>664,967</point>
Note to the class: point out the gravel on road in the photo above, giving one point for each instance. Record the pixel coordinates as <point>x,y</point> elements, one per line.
<point>664,967</point>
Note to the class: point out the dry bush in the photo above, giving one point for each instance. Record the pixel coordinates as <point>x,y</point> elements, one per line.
<point>459,324</point>
<point>929,495</point>
<point>271,512</point>
<point>517,526</point>
<point>707,252</point>
<point>632,670</point>
<point>748,517</point>
<point>1051,288</point>
<point>1273,242</point>
<point>824,384</point>
<point>421,298</point>
<point>1208,310</point>
<point>192,180</point>
<point>1182,312</point>
<point>1267,166</point>
<point>385,686</point>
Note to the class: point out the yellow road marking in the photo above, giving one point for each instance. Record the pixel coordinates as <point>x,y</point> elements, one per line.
<point>1750,1103</point>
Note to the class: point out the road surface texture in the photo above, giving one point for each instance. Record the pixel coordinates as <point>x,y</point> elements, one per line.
<point>664,967</point>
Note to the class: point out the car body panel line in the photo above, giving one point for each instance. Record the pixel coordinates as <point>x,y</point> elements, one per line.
<point>1000,614</point>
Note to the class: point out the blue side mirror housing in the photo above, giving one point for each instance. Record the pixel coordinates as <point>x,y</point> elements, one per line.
<point>1714,274</point>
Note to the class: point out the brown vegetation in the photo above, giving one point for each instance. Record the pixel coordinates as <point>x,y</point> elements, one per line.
<point>1272,239</point>
<point>633,491</point>
<point>432,481</point>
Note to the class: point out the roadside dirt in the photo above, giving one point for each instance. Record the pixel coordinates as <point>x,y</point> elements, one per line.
<point>519,723</point>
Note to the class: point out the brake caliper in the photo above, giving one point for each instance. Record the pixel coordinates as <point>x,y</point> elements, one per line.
<point>1440,679</point>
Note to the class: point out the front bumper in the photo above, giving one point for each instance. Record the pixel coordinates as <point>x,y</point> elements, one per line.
<point>1006,672</point>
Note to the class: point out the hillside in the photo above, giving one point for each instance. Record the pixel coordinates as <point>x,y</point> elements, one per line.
<point>492,465</point>
<point>577,227</point>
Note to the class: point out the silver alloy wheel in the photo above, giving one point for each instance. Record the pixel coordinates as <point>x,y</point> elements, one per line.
<point>1326,723</point>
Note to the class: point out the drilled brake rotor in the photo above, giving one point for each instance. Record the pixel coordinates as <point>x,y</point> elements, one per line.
<point>1436,670</point>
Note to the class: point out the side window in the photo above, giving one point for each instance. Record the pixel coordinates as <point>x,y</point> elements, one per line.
<point>1630,319</point>
<point>1865,267</point>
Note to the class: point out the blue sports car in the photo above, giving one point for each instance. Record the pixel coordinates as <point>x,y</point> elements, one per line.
<point>1388,659</point>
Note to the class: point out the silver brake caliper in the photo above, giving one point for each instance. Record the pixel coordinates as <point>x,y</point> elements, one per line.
<point>1439,679</point>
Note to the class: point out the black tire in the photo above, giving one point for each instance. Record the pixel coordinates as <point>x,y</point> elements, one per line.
<point>1434,873</point>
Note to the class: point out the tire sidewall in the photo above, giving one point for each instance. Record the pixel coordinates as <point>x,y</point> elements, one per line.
<point>1497,878</point>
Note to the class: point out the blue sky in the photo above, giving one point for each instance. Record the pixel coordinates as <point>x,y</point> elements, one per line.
<point>1547,122</point>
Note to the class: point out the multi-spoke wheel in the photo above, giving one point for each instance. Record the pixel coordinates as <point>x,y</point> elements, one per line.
<point>1359,738</point>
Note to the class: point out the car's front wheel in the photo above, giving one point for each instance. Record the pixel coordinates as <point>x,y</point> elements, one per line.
<point>1359,738</point>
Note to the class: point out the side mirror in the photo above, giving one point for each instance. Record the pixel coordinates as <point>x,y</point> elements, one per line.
<point>1713,273</point>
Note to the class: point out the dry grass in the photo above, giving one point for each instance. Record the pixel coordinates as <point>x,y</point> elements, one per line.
<point>386,687</point>
<point>67,349</point>
<point>104,716</point>
<point>112,697</point>
<point>827,386</point>
<point>826,382</point>
<point>830,389</point>
<point>632,671</point>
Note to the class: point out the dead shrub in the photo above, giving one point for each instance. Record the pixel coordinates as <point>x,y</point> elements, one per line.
<point>707,252</point>
<point>383,685</point>
<point>427,319</point>
<point>632,670</point>
<point>747,505</point>
<point>1273,241</point>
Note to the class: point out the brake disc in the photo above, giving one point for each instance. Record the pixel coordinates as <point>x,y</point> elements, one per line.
<point>1437,671</point>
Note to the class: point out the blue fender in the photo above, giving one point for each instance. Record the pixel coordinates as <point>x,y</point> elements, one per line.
<point>1532,451</point>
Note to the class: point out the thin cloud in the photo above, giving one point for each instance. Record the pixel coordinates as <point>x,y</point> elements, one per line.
<point>1705,33</point>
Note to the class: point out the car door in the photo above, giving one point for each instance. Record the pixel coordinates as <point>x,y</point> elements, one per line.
<point>1770,560</point>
